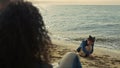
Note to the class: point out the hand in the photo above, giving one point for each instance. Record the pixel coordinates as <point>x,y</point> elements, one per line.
<point>91,56</point>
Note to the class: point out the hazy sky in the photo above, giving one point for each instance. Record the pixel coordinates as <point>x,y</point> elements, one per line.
<point>86,2</point>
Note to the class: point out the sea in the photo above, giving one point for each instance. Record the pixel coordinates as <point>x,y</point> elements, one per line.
<point>75,23</point>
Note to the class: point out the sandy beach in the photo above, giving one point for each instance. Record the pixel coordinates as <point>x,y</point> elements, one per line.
<point>103,57</point>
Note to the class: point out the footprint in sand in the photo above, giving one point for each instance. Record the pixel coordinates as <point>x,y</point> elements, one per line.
<point>115,61</point>
<point>106,56</point>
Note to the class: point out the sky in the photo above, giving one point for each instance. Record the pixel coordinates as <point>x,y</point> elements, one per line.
<point>81,2</point>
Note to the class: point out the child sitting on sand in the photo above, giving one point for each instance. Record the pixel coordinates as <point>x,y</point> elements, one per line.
<point>87,46</point>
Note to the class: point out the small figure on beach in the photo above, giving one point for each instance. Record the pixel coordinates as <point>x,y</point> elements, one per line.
<point>86,47</point>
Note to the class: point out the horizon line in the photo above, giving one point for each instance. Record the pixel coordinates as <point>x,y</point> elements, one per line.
<point>73,3</point>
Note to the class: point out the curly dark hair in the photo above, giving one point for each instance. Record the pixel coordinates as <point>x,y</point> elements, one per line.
<point>24,39</point>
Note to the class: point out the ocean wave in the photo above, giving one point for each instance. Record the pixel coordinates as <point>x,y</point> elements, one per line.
<point>110,43</point>
<point>98,39</point>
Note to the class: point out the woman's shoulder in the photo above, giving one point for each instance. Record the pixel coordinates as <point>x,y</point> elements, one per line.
<point>84,41</point>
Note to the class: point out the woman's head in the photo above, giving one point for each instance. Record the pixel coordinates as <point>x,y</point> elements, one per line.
<point>4,3</point>
<point>23,36</point>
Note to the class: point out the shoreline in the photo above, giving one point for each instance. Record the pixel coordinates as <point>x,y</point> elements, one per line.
<point>104,58</point>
